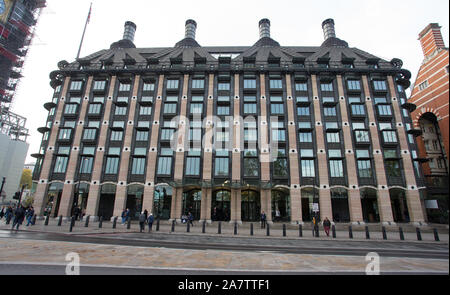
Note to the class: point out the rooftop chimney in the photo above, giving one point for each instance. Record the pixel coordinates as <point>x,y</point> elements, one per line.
<point>328,29</point>
<point>191,26</point>
<point>130,29</point>
<point>264,28</point>
<point>431,39</point>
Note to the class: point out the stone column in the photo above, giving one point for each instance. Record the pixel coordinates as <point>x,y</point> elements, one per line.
<point>97,170</point>
<point>325,206</point>
<point>384,199</point>
<point>412,192</point>
<point>238,145</point>
<point>40,196</point>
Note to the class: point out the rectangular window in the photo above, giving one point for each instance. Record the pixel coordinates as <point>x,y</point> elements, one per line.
<point>65,133</point>
<point>384,110</point>
<point>86,164</point>
<point>167,134</point>
<point>60,164</point>
<point>198,83</point>
<point>223,86</point>
<point>303,111</point>
<point>251,165</point>
<point>301,86</point>
<point>249,83</point>
<point>280,165</point>
<point>379,100</point>
<point>358,110</point>
<point>99,85</point>
<point>98,99</point>
<point>221,163</point>
<point>308,169</point>
<point>330,112</point>
<point>123,99</point>
<point>364,168</point>
<point>171,98</point>
<point>277,108</point>
<point>70,109</point>
<point>306,153</point>
<point>389,136</point>
<point>304,125</point>
<point>276,84</point>
<point>193,166</point>
<point>279,135</point>
<point>138,166</point>
<point>144,110</point>
<point>333,137</point>
<point>120,111</point>
<point>250,134</point>
<point>302,99</point>
<point>76,85</point>
<point>353,85</point>
<point>336,168</point>
<point>89,134</point>
<point>95,109</point>
<point>116,135</point>
<point>305,137</point>
<point>170,108</point>
<point>358,125</point>
<point>379,85</point>
<point>326,99</point>
<point>148,86</point>
<point>112,164</point>
<point>222,136</point>
<point>164,165</point>
<point>124,87</point>
<point>334,153</point>
<point>196,108</point>
<point>172,84</point>
<point>423,85</point>
<point>147,98</point>
<point>141,135</point>
<point>326,86</point>
<point>354,99</point>
<point>250,108</point>
<point>223,110</point>
<point>223,98</point>
<point>362,136</point>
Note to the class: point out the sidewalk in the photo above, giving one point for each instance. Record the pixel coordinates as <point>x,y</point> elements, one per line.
<point>243,230</point>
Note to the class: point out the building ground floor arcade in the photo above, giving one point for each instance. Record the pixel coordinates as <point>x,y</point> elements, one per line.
<point>243,204</point>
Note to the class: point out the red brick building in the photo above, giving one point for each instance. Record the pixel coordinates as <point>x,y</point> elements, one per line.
<point>430,94</point>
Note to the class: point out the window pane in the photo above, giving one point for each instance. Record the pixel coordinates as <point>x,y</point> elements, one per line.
<point>112,163</point>
<point>138,166</point>
<point>308,168</point>
<point>336,168</point>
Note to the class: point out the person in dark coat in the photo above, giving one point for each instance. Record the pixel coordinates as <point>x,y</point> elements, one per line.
<point>142,220</point>
<point>191,218</point>
<point>29,215</point>
<point>263,220</point>
<point>150,221</point>
<point>8,214</point>
<point>19,217</point>
<point>146,214</point>
<point>2,213</point>
<point>326,226</point>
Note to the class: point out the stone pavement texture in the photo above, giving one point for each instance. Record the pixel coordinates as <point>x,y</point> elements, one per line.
<point>53,252</point>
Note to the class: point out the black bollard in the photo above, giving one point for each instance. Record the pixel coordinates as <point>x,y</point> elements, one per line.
<point>300,231</point>
<point>251,229</point>
<point>60,220</point>
<point>72,223</point>
<point>383,229</point>
<point>188,227</point>
<point>219,228</point>
<point>367,233</point>
<point>204,226</point>
<point>235,228</point>
<point>157,224</point>
<point>284,230</point>
<point>115,222</point>
<point>100,223</point>
<point>350,232</point>
<point>316,230</point>
<point>33,222</point>
<point>419,236</point>
<point>436,235</point>
<point>46,220</point>
<point>86,224</point>
<point>173,226</point>
<point>268,230</point>
<point>333,230</point>
<point>402,237</point>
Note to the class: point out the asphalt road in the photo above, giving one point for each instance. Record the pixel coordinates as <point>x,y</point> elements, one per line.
<point>281,245</point>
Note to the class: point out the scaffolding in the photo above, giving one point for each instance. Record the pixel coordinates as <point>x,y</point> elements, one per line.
<point>13,125</point>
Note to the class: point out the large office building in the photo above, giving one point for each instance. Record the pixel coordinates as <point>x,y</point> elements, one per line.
<point>229,132</point>
<point>430,95</point>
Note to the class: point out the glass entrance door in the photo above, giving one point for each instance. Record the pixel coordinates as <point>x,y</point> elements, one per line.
<point>192,203</point>
<point>250,206</point>
<point>220,206</point>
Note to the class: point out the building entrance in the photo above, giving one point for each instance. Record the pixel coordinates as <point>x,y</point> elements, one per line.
<point>192,201</point>
<point>369,205</point>
<point>106,203</point>
<point>162,202</point>
<point>281,209</point>
<point>250,205</point>
<point>220,206</point>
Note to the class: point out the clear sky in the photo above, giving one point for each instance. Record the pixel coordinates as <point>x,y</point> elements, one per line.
<point>384,28</point>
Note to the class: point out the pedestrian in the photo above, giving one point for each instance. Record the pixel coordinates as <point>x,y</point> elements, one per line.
<point>127,215</point>
<point>142,220</point>
<point>2,213</point>
<point>18,218</point>
<point>326,226</point>
<point>146,214</point>
<point>150,221</point>
<point>313,224</point>
<point>30,213</point>
<point>124,212</point>
<point>277,215</point>
<point>214,214</point>
<point>8,214</point>
<point>263,220</point>
<point>191,218</point>
<point>76,212</point>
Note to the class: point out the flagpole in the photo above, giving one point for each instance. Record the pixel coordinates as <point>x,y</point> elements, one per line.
<point>84,31</point>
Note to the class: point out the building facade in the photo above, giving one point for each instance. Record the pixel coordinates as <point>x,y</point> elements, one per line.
<point>229,132</point>
<point>431,97</point>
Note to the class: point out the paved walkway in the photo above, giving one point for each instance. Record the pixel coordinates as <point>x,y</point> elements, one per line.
<point>227,229</point>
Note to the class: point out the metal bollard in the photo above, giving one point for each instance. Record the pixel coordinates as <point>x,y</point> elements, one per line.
<point>268,230</point>
<point>284,230</point>
<point>115,222</point>
<point>436,235</point>
<point>419,235</point>
<point>350,232</point>
<point>157,224</point>
<point>402,237</point>
<point>383,229</point>
<point>188,227</point>
<point>86,224</point>
<point>367,233</point>
<point>128,223</point>
<point>60,220</point>
<point>316,230</point>
<point>100,223</point>
<point>173,226</point>
<point>333,230</point>
<point>33,222</point>
<point>251,229</point>
<point>204,226</point>
<point>219,228</point>
<point>300,231</point>
<point>46,220</point>
<point>72,223</point>
<point>235,228</point>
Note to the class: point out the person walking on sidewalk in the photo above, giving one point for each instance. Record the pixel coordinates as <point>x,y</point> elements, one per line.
<point>124,216</point>
<point>263,220</point>
<point>150,221</point>
<point>8,214</point>
<point>142,221</point>
<point>30,213</point>
<point>191,218</point>
<point>19,217</point>
<point>326,226</point>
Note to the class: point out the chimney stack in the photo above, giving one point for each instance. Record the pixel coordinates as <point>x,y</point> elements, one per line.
<point>264,28</point>
<point>328,29</point>
<point>130,30</point>
<point>191,26</point>
<point>431,39</point>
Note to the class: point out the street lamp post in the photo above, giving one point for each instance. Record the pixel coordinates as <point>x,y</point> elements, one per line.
<point>75,203</point>
<point>1,188</point>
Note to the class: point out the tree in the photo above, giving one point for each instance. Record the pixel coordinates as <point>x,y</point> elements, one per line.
<point>26,179</point>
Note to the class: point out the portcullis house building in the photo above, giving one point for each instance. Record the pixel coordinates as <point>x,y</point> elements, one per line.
<point>228,132</point>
